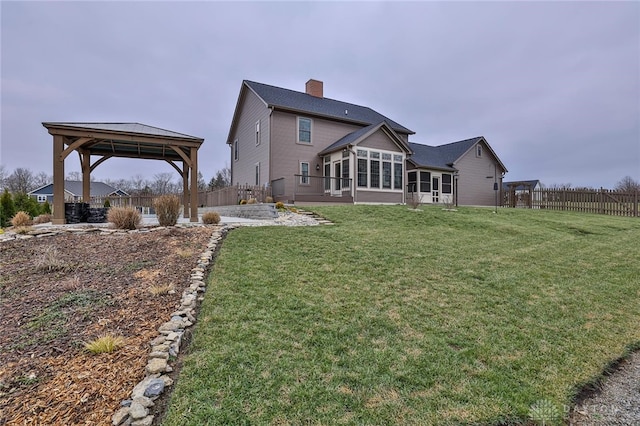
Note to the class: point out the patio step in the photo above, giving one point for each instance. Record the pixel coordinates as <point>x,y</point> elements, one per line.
<point>320,219</point>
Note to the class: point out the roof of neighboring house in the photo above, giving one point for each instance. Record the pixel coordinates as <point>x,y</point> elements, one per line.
<point>142,129</point>
<point>360,134</point>
<point>74,187</point>
<point>291,100</point>
<point>444,156</point>
<point>521,184</point>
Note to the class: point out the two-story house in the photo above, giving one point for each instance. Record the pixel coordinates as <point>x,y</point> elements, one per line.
<point>311,148</point>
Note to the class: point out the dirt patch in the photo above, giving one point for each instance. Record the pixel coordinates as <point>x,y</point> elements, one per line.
<point>58,292</point>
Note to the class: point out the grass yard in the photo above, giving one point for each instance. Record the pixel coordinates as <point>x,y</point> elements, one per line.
<point>394,316</point>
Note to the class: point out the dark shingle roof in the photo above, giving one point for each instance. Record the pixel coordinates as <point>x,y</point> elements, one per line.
<point>280,98</point>
<point>142,129</point>
<point>521,184</point>
<point>74,187</point>
<point>442,156</point>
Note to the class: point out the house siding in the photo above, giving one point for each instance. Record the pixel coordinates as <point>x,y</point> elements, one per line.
<point>378,197</point>
<point>474,188</point>
<point>243,169</point>
<point>287,154</point>
<point>380,140</point>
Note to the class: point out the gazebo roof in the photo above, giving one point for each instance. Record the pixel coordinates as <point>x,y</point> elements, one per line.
<point>130,140</point>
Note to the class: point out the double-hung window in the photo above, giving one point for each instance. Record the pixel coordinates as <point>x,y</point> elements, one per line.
<point>304,130</point>
<point>362,167</point>
<point>235,149</point>
<point>257,132</point>
<point>425,181</point>
<point>257,174</point>
<point>397,171</point>
<point>446,183</point>
<point>386,170</point>
<point>374,170</point>
<point>304,172</point>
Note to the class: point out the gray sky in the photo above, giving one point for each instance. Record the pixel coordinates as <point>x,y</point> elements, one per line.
<point>553,86</point>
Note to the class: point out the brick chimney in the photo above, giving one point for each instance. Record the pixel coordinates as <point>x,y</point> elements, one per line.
<point>314,88</point>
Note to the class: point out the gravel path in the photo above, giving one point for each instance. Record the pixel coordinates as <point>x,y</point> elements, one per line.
<point>617,402</point>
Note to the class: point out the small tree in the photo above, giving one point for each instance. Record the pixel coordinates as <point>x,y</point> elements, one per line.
<point>7,208</point>
<point>26,203</point>
<point>45,208</point>
<point>627,184</point>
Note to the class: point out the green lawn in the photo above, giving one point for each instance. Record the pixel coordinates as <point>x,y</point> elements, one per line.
<point>394,316</point>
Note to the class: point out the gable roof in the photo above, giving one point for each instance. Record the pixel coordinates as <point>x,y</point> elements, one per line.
<point>142,129</point>
<point>521,185</point>
<point>445,156</point>
<point>300,102</point>
<point>356,137</point>
<point>74,187</point>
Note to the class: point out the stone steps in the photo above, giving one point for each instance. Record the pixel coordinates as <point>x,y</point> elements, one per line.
<point>320,219</point>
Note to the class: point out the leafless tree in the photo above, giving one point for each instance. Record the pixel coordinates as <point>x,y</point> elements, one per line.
<point>3,177</point>
<point>627,184</point>
<point>42,179</point>
<point>21,180</point>
<point>163,183</point>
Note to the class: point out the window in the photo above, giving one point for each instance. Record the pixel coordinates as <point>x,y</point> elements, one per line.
<point>258,132</point>
<point>386,171</point>
<point>374,170</point>
<point>362,172</point>
<point>327,174</point>
<point>397,172</point>
<point>446,183</point>
<point>304,130</point>
<point>425,181</point>
<point>345,173</point>
<point>304,171</point>
<point>42,198</point>
<point>235,149</point>
<point>478,150</point>
<point>362,168</point>
<point>257,174</point>
<point>413,181</point>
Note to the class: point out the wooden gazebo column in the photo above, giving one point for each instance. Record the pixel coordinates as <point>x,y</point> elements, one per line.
<point>185,190</point>
<point>58,180</point>
<point>194,185</point>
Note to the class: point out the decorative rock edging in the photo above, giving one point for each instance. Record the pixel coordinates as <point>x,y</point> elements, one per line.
<point>137,411</point>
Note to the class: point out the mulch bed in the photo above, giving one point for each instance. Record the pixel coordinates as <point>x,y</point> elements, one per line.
<point>57,292</point>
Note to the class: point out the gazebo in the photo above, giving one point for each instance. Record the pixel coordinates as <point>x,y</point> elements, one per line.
<point>128,140</point>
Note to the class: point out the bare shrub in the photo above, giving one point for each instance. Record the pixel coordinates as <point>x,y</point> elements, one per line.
<point>43,218</point>
<point>252,201</point>
<point>167,209</point>
<point>269,199</point>
<point>211,218</point>
<point>21,218</point>
<point>49,260</point>
<point>161,289</point>
<point>414,201</point>
<point>124,217</point>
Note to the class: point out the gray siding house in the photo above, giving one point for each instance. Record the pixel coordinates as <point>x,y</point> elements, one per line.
<point>73,191</point>
<point>311,148</point>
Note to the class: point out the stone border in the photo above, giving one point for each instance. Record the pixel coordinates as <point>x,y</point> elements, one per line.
<point>137,410</point>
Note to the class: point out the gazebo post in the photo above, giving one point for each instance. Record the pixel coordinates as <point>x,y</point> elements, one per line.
<point>86,175</point>
<point>185,189</point>
<point>194,185</point>
<point>58,180</point>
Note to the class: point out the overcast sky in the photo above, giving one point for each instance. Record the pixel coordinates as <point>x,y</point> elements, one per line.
<point>553,86</point>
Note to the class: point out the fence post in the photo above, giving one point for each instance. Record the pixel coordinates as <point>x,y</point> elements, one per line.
<point>635,203</point>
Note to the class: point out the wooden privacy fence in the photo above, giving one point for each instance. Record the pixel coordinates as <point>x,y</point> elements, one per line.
<point>232,195</point>
<point>601,201</point>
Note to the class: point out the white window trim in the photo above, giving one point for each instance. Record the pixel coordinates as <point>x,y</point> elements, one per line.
<point>258,135</point>
<point>302,176</point>
<point>42,198</point>
<point>257,171</point>
<point>478,150</point>
<point>368,158</point>
<point>298,131</point>
<point>235,150</point>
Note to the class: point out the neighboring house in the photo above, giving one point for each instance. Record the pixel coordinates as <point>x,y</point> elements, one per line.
<point>73,191</point>
<point>467,172</point>
<point>311,148</point>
